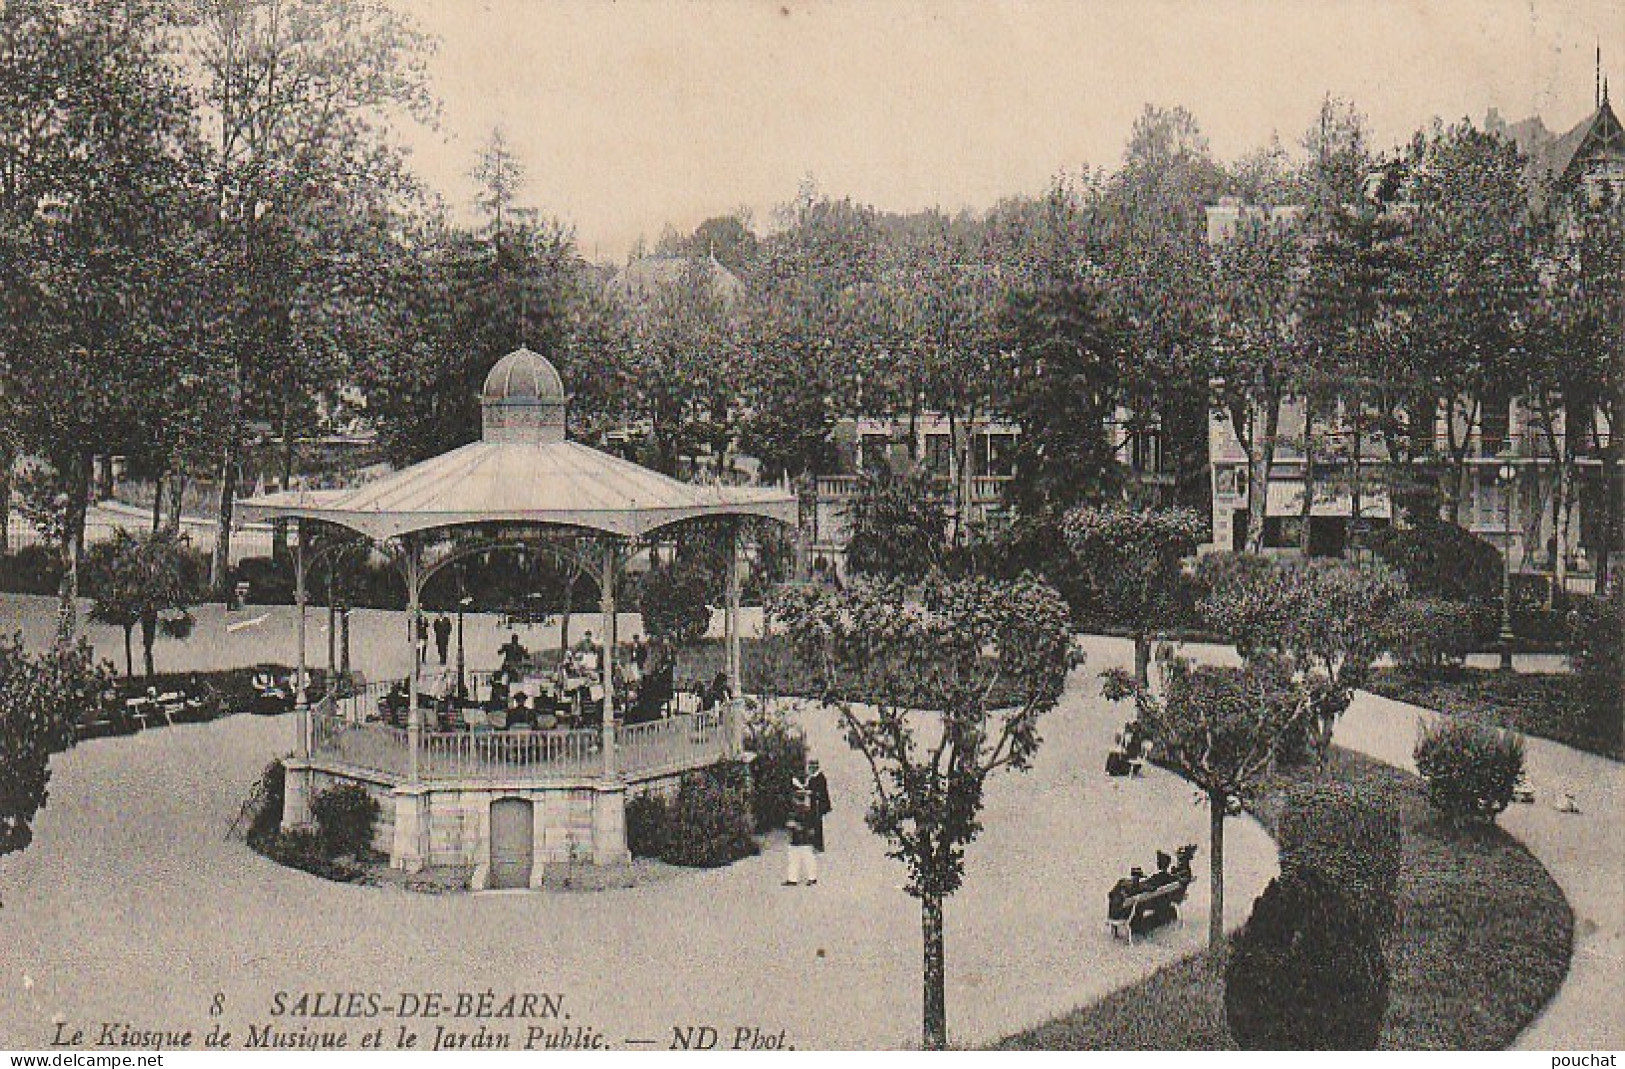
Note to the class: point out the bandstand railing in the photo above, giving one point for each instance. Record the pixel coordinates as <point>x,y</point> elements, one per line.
<point>346,733</point>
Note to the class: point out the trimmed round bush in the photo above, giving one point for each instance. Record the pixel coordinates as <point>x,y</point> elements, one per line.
<point>1349,838</point>
<point>647,819</point>
<point>709,823</point>
<point>345,815</point>
<point>1470,770</point>
<point>1432,633</point>
<point>1596,642</point>
<point>1440,559</point>
<point>1305,972</point>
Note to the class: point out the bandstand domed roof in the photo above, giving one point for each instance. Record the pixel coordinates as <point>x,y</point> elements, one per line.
<point>523,470</point>
<point>523,375</point>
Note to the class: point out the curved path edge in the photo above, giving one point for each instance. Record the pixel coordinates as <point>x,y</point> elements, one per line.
<point>1584,852</point>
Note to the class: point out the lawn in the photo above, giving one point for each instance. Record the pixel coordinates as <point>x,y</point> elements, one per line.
<point>1482,944</point>
<point>1560,706</point>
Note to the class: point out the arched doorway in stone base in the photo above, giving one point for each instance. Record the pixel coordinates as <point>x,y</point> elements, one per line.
<point>513,843</point>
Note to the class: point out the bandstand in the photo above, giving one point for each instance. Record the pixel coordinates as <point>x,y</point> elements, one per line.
<point>507,803</point>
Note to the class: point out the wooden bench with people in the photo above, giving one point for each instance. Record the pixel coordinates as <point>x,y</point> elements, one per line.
<point>1139,904</point>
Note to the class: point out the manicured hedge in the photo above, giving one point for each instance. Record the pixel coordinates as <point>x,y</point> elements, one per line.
<point>1470,770</point>
<point>1349,837</point>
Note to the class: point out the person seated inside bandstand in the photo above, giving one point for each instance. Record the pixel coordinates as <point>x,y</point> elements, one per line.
<point>514,655</point>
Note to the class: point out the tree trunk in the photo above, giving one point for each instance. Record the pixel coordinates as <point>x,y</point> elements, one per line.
<point>1216,803</point>
<point>344,641</point>
<point>8,458</point>
<point>157,502</point>
<point>129,656</point>
<point>1260,462</point>
<point>149,634</point>
<point>220,563</point>
<point>1142,658</point>
<point>279,527</point>
<point>177,494</point>
<point>935,1025</point>
<point>1306,507</point>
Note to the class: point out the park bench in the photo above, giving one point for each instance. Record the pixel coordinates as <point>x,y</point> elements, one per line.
<point>1148,911</point>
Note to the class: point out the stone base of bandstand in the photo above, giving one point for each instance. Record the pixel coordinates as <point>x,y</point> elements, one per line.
<point>577,825</point>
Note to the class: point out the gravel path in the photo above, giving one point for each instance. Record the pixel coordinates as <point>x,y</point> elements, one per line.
<point>132,907</point>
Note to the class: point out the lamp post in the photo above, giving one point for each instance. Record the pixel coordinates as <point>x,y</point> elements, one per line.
<point>1506,477</point>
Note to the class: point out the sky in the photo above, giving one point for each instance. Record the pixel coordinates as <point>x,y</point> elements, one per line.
<point>630,117</point>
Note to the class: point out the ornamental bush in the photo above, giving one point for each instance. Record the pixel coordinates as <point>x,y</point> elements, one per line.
<point>1432,633</point>
<point>1349,837</point>
<point>1440,559</point>
<point>647,818</point>
<point>345,815</point>
<point>1306,972</point>
<point>709,823</point>
<point>1596,635</point>
<point>781,755</point>
<point>1470,769</point>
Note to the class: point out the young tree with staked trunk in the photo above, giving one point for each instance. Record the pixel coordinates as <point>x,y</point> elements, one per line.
<point>1222,729</point>
<point>1131,561</point>
<point>143,580</point>
<point>937,686</point>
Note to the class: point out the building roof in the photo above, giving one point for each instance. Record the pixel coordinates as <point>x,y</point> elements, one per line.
<point>642,278</point>
<point>522,471</point>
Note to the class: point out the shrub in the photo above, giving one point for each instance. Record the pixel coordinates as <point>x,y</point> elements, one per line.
<point>1349,837</point>
<point>709,823</point>
<point>673,602</point>
<point>265,822</point>
<point>781,755</point>
<point>647,819</point>
<point>1470,770</point>
<point>345,815</point>
<point>1432,633</point>
<point>1596,635</point>
<point>31,570</point>
<point>301,848</point>
<point>1305,972</point>
<point>1440,559</point>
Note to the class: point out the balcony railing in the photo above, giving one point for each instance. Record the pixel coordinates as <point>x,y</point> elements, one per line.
<point>984,489</point>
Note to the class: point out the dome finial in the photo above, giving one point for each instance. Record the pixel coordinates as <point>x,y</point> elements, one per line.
<point>523,400</point>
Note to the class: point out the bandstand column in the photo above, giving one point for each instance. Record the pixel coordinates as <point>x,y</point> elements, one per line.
<point>414,714</point>
<point>606,587</point>
<point>301,705</point>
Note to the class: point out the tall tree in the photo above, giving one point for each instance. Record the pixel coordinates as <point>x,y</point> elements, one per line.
<point>1256,350</point>
<point>302,98</point>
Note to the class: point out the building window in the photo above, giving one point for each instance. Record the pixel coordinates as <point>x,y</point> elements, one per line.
<point>1001,454</point>
<point>938,454</point>
<point>1230,483</point>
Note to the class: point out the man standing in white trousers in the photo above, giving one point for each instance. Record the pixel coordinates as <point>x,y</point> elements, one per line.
<point>801,862</point>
